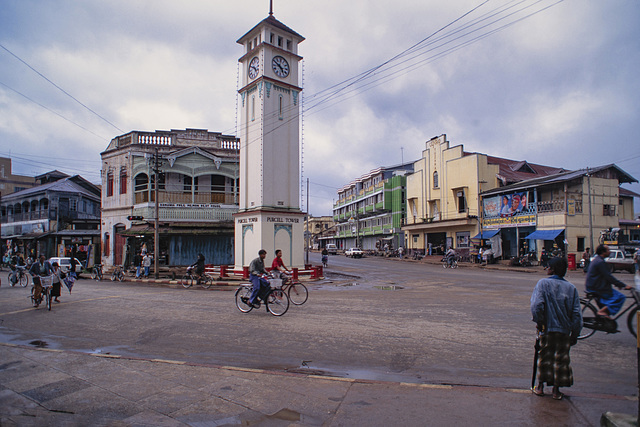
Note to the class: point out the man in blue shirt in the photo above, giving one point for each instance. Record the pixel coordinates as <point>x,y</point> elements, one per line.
<point>599,281</point>
<point>555,307</point>
<point>256,271</point>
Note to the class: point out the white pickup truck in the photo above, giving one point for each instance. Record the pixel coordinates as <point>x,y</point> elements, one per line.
<point>617,260</point>
<point>354,253</point>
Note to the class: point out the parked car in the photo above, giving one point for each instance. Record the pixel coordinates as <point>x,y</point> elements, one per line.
<point>332,249</point>
<point>354,253</point>
<point>618,260</point>
<point>65,264</point>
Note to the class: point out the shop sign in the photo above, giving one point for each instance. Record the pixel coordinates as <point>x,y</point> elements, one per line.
<point>506,205</point>
<point>513,221</point>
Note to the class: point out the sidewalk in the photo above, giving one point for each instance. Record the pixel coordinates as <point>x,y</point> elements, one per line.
<point>41,387</point>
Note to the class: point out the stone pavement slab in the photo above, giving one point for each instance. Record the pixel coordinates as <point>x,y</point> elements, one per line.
<point>41,387</point>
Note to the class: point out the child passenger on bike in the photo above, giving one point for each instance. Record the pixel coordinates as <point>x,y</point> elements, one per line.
<point>278,269</point>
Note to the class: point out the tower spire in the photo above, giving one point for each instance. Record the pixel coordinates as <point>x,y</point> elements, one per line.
<point>270,7</point>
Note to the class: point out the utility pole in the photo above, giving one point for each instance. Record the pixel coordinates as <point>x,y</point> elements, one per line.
<point>590,215</point>
<point>156,162</point>
<point>306,240</point>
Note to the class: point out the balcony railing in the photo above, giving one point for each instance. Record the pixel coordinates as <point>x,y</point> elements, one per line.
<point>181,197</point>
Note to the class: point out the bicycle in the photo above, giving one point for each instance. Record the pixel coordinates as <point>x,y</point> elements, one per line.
<point>47,283</point>
<point>190,278</point>
<point>275,300</point>
<point>296,291</point>
<point>325,261</point>
<point>117,274</point>
<point>18,275</point>
<point>96,272</point>
<point>450,264</point>
<point>592,322</point>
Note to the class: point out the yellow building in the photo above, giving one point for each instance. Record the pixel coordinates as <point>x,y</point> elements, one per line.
<point>443,194</point>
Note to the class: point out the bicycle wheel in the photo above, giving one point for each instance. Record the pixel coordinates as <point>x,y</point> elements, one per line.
<point>187,281</point>
<point>277,302</point>
<point>114,276</point>
<point>94,275</point>
<point>47,294</point>
<point>99,275</point>
<point>298,293</point>
<point>454,264</point>
<point>588,319</point>
<point>24,281</point>
<point>10,279</point>
<point>445,264</point>
<point>120,276</point>
<point>632,322</point>
<point>206,281</point>
<point>242,299</point>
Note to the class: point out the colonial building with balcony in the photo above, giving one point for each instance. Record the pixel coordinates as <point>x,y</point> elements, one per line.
<point>196,172</point>
<point>59,215</point>
<point>568,211</point>
<point>443,194</point>
<point>371,209</point>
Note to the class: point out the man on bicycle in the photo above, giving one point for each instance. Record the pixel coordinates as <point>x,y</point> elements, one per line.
<point>256,271</point>
<point>39,269</point>
<point>599,281</point>
<point>199,266</point>
<point>450,256</point>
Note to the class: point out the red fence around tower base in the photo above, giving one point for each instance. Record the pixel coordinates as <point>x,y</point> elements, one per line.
<point>226,271</point>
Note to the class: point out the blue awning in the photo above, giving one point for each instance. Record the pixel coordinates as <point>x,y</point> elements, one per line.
<point>486,234</point>
<point>544,234</point>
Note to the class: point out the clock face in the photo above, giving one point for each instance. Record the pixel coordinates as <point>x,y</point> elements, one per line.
<point>280,66</point>
<point>254,67</point>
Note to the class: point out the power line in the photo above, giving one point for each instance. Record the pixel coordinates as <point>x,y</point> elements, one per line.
<point>59,88</point>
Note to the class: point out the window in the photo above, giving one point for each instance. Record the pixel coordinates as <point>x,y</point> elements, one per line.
<point>288,44</point>
<point>253,107</point>
<point>280,107</point>
<point>123,181</point>
<point>435,180</point>
<point>73,205</point>
<point>271,38</point>
<point>109,184</point>
<point>580,244</point>
<point>608,210</point>
<point>280,41</point>
<point>462,203</point>
<point>189,181</point>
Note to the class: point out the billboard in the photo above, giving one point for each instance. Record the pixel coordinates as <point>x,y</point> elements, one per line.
<point>505,206</point>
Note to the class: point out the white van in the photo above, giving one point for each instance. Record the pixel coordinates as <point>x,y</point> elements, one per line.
<point>332,249</point>
<point>65,264</point>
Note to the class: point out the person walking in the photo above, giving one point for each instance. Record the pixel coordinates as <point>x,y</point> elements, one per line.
<point>555,308</point>
<point>38,269</point>
<point>58,276</point>
<point>146,263</point>
<point>137,263</point>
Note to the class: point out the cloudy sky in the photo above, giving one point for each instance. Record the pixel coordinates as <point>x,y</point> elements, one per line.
<point>548,81</point>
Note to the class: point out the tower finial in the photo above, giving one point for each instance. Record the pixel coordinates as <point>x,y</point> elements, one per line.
<point>270,7</point>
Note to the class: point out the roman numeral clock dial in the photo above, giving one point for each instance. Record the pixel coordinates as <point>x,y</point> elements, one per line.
<point>254,67</point>
<point>280,66</point>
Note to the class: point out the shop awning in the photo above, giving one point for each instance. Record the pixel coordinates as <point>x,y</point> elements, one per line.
<point>544,234</point>
<point>486,234</point>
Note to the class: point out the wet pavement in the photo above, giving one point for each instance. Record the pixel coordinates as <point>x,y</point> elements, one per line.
<point>44,387</point>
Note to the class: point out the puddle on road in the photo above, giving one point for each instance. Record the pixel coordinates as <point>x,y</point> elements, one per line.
<point>39,344</point>
<point>388,287</point>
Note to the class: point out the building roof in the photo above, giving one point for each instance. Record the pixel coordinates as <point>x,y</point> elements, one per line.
<point>73,184</point>
<point>271,20</point>
<point>564,176</point>
<point>512,171</point>
<point>628,193</point>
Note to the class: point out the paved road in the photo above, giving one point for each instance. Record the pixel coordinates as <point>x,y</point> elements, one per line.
<point>372,319</point>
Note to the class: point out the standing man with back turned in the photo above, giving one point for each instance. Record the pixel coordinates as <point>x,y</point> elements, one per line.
<point>555,307</point>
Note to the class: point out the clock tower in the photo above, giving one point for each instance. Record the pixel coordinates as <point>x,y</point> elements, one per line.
<point>269,215</point>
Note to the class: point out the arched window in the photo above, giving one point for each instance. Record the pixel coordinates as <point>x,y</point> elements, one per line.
<point>435,180</point>
<point>253,107</point>
<point>141,188</point>
<point>110,183</point>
